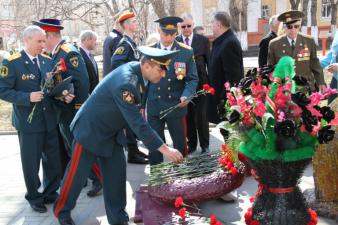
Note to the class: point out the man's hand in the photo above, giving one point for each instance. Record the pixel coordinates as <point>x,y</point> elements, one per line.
<point>68,98</point>
<point>333,68</point>
<point>184,102</point>
<point>36,96</point>
<point>172,154</point>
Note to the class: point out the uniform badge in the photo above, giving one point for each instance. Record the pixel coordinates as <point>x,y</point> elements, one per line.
<point>31,76</point>
<point>119,51</point>
<point>180,70</point>
<point>24,77</point>
<point>74,61</point>
<point>4,71</point>
<point>128,97</point>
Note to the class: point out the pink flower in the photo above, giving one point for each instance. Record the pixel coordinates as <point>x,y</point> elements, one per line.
<point>232,99</point>
<point>315,98</point>
<point>260,108</point>
<point>247,119</point>
<point>315,129</point>
<point>334,122</point>
<point>313,111</point>
<point>227,86</point>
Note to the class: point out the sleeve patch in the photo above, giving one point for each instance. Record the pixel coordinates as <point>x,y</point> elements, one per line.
<point>74,61</point>
<point>119,51</point>
<point>128,97</point>
<point>4,71</point>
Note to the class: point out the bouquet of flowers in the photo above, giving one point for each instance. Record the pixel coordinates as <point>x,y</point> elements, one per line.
<point>277,122</point>
<point>51,80</point>
<point>206,90</point>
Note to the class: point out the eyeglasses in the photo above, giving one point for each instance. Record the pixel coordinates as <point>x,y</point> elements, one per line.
<point>186,26</point>
<point>296,26</point>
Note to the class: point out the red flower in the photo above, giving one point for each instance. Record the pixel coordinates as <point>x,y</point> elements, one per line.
<point>233,171</point>
<point>241,157</point>
<point>213,219</point>
<point>178,201</point>
<point>63,66</point>
<point>181,212</point>
<point>212,91</point>
<point>314,219</point>
<point>206,87</point>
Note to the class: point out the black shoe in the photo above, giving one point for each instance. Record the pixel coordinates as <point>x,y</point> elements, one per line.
<point>143,155</point>
<point>191,150</point>
<point>134,158</point>
<point>66,220</point>
<point>205,150</point>
<point>96,188</point>
<point>133,149</point>
<point>49,200</point>
<point>125,223</point>
<point>39,207</point>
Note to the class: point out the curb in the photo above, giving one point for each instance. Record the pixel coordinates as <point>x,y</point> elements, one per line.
<point>8,132</point>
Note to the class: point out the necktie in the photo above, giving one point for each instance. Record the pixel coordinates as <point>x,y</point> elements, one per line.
<point>93,60</point>
<point>293,45</point>
<point>187,41</point>
<point>165,49</point>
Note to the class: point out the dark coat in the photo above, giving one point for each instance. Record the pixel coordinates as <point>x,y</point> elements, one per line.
<point>226,64</point>
<point>114,105</point>
<point>93,73</point>
<point>109,47</point>
<point>201,47</point>
<point>264,48</point>
<point>125,52</point>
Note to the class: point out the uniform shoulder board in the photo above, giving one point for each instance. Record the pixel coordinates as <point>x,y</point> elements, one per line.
<point>306,36</point>
<point>46,56</point>
<point>65,48</point>
<point>14,56</point>
<point>184,45</point>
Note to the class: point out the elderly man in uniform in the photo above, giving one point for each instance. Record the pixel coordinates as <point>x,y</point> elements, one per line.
<point>75,68</point>
<point>180,83</point>
<point>299,46</point>
<point>126,52</point>
<point>98,129</point>
<point>21,77</point>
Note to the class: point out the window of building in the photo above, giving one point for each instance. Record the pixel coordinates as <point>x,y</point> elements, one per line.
<point>326,9</point>
<point>266,11</point>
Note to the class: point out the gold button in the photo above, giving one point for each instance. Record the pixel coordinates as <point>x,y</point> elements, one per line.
<point>158,88</point>
<point>169,79</point>
<point>159,96</point>
<point>169,96</point>
<point>44,108</point>
<point>169,88</point>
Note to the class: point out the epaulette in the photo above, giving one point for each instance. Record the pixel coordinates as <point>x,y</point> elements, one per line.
<point>14,56</point>
<point>46,56</point>
<point>306,36</point>
<point>184,45</point>
<point>65,48</point>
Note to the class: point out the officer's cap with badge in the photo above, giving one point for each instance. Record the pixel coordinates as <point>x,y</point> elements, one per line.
<point>49,25</point>
<point>169,24</point>
<point>158,56</point>
<point>290,17</point>
<point>125,15</point>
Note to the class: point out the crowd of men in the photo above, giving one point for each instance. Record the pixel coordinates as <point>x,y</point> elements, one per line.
<point>82,132</point>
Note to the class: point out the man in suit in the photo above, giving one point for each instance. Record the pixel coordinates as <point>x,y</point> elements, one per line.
<point>300,47</point>
<point>226,63</point>
<point>98,130</point>
<point>87,44</point>
<point>21,79</point>
<point>75,68</point>
<point>264,44</point>
<point>197,121</point>
<point>126,52</point>
<point>109,46</point>
<point>180,83</point>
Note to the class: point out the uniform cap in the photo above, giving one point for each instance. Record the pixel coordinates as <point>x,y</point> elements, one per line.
<point>125,15</point>
<point>169,24</point>
<point>49,25</point>
<point>291,16</point>
<point>158,56</point>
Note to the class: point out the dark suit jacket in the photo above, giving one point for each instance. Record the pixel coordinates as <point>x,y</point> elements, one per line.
<point>93,73</point>
<point>201,47</point>
<point>226,64</point>
<point>109,47</point>
<point>264,48</point>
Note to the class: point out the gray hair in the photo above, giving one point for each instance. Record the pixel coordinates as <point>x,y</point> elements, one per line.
<point>223,17</point>
<point>185,16</point>
<point>32,30</point>
<point>273,20</point>
<point>87,34</point>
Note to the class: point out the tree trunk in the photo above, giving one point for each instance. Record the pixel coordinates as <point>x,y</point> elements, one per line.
<point>158,6</point>
<point>333,18</point>
<point>314,28</point>
<point>294,4</point>
<point>243,34</point>
<point>234,9</point>
<point>304,20</point>
<point>171,7</point>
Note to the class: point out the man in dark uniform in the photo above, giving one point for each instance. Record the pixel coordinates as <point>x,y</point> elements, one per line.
<point>264,44</point>
<point>180,83</point>
<point>21,78</point>
<point>98,129</point>
<point>300,47</point>
<point>75,68</point>
<point>197,121</point>
<point>126,52</point>
<point>226,63</point>
<point>109,46</point>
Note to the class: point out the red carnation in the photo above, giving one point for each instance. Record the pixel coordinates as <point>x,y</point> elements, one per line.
<point>213,219</point>
<point>181,212</point>
<point>63,65</point>
<point>206,87</point>
<point>178,201</point>
<point>233,171</point>
<point>212,91</point>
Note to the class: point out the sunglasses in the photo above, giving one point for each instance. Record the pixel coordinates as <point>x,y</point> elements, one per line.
<point>186,26</point>
<point>296,26</point>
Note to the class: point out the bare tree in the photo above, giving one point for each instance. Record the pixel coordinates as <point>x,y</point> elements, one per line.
<point>314,27</point>
<point>304,20</point>
<point>294,4</point>
<point>239,10</point>
<point>334,6</point>
<point>159,7</point>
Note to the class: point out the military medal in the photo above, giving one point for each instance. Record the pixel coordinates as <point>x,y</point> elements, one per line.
<point>180,70</point>
<point>128,97</point>
<point>74,61</point>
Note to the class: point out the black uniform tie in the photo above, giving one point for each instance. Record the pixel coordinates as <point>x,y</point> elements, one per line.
<point>293,45</point>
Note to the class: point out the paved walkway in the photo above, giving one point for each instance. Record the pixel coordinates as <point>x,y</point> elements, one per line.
<point>14,209</point>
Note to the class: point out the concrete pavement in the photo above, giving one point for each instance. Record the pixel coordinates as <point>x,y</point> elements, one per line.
<point>14,210</point>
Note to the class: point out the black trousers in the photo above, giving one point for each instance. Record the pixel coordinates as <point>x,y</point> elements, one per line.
<point>197,123</point>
